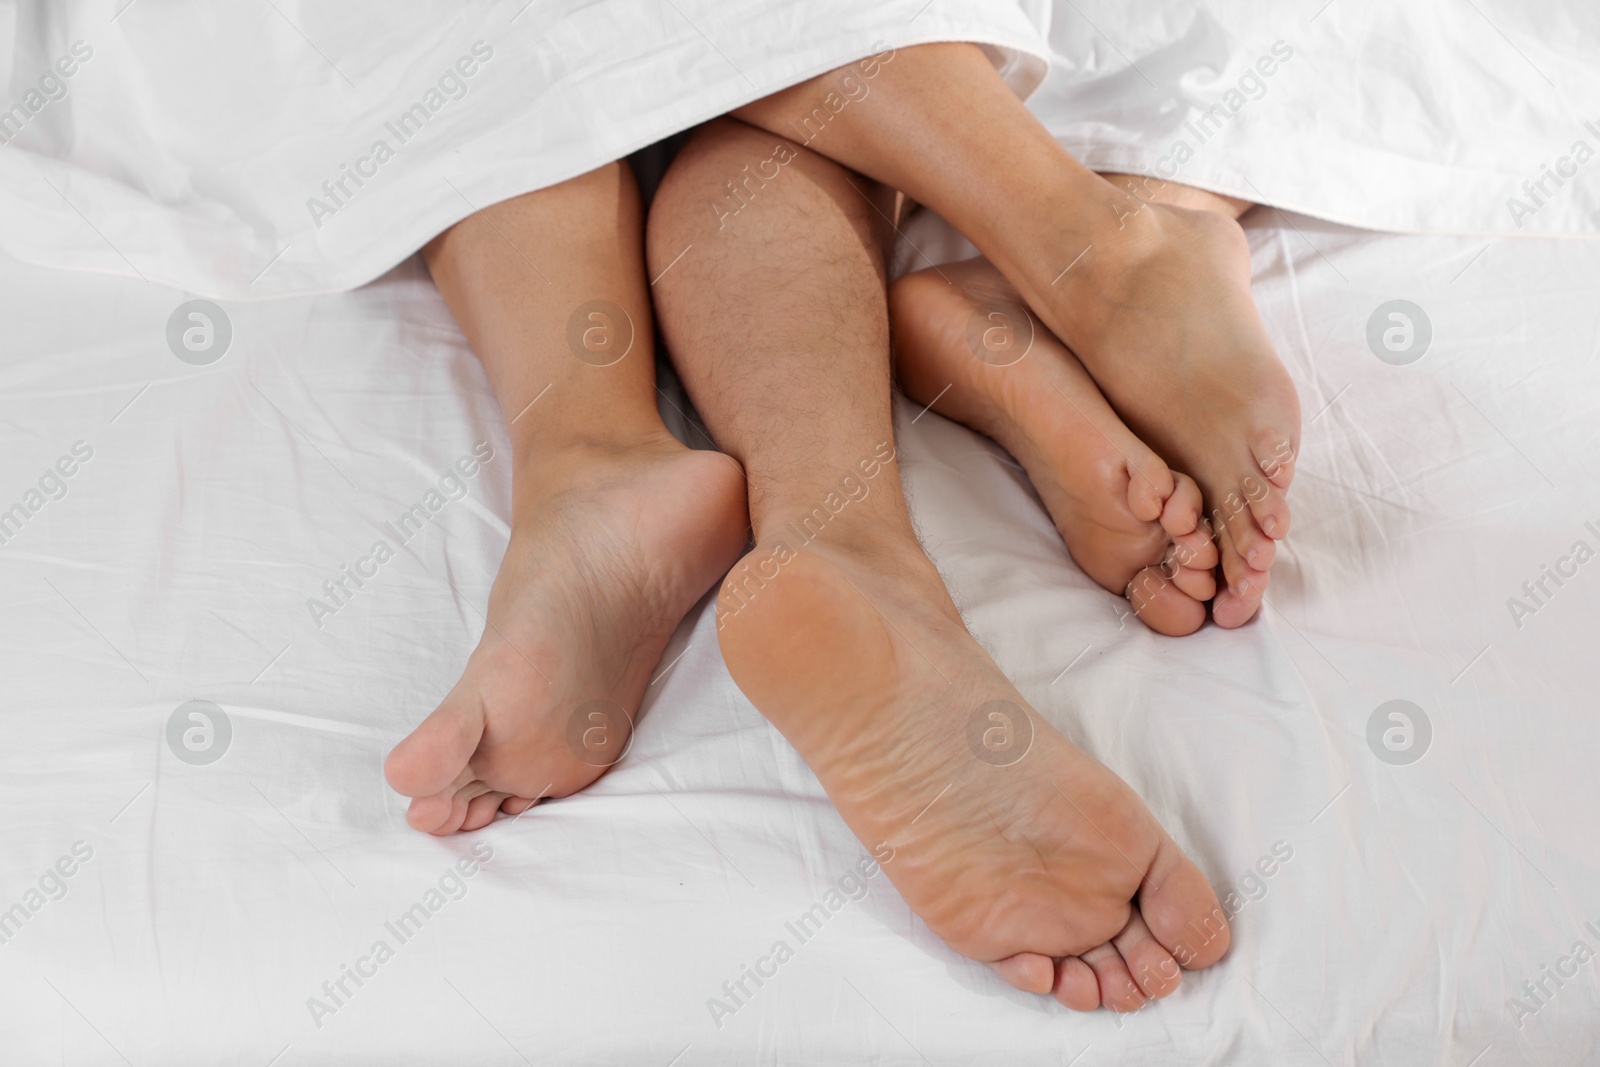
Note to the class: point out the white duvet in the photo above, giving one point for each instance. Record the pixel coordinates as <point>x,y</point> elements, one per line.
<point>1478,116</point>
<point>285,147</point>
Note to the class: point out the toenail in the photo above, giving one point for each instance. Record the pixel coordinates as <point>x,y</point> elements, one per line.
<point>1270,525</point>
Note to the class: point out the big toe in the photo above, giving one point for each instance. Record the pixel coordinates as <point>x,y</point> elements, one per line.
<point>1181,910</point>
<point>1163,606</point>
<point>433,756</point>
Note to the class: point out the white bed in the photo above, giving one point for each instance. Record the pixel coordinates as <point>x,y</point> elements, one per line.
<point>216,899</point>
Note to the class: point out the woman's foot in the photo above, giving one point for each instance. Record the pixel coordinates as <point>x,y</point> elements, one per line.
<point>1015,846</point>
<point>608,552</point>
<point>1158,308</point>
<point>965,344</point>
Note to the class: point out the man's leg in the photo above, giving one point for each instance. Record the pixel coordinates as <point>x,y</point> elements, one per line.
<point>1014,845</point>
<point>1154,299</point>
<point>617,529</point>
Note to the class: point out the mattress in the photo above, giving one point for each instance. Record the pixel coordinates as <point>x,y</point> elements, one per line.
<point>1389,774</point>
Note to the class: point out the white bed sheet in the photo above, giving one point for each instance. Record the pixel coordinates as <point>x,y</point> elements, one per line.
<point>216,899</point>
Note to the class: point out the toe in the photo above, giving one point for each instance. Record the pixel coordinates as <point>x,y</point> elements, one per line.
<point>1197,583</point>
<point>1237,604</point>
<point>1152,966</point>
<point>1180,514</point>
<point>432,814</point>
<point>1268,506</point>
<point>1233,608</point>
<point>1028,971</point>
<point>1151,484</point>
<point>481,810</point>
<point>446,813</point>
<point>440,814</point>
<point>1275,455</point>
<point>1164,607</point>
<point>1076,985</point>
<point>1181,910</point>
<point>1117,989</point>
<point>1231,515</point>
<point>517,805</point>
<point>1196,549</point>
<point>434,755</point>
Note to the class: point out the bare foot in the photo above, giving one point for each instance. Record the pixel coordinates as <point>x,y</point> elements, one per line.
<point>965,344</point>
<point>606,557</point>
<point>1159,310</point>
<point>1016,847</point>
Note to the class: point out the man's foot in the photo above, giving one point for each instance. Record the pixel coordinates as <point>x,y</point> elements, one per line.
<point>965,344</point>
<point>606,556</point>
<point>1015,846</point>
<point>1159,310</point>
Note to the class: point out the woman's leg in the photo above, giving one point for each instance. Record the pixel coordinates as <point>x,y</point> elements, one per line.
<point>1014,845</point>
<point>1154,299</point>
<point>1176,194</point>
<point>617,529</point>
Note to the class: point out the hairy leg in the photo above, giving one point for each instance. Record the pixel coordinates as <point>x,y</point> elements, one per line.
<point>1015,846</point>
<point>617,528</point>
<point>1153,298</point>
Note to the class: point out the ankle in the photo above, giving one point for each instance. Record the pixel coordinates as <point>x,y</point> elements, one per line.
<point>862,504</point>
<point>545,465</point>
<point>1176,194</point>
<point>1132,240</point>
